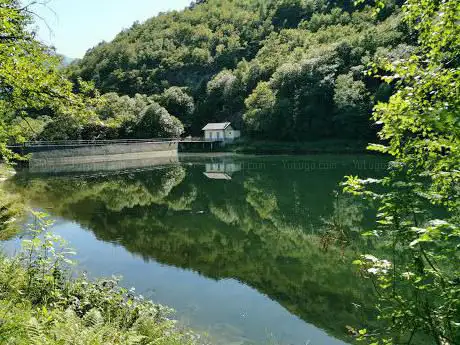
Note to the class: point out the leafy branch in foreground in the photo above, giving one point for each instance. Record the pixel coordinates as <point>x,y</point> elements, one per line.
<point>31,83</point>
<point>40,303</point>
<point>418,282</point>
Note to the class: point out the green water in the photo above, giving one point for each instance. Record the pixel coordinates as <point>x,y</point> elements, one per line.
<point>251,250</point>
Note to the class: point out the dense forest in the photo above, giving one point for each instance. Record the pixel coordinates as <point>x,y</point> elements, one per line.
<point>282,70</point>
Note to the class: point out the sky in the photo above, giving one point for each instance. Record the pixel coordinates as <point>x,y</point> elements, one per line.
<point>74,26</point>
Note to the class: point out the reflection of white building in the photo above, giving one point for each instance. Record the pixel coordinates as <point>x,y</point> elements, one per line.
<point>217,176</point>
<point>221,170</point>
<point>220,132</point>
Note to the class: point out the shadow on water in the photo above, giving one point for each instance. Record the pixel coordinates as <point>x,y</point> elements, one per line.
<point>268,228</point>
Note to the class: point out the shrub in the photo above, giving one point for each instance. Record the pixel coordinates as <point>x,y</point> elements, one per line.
<point>40,303</point>
<point>155,121</point>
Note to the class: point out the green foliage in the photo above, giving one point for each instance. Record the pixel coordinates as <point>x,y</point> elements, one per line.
<point>41,304</point>
<point>205,64</point>
<point>418,284</point>
<point>38,103</point>
<point>155,121</point>
<point>122,108</point>
<point>31,83</point>
<point>125,117</point>
<point>352,101</point>
<point>28,129</point>
<point>179,103</point>
<point>323,20</point>
<point>221,51</point>
<point>260,104</point>
<point>121,113</point>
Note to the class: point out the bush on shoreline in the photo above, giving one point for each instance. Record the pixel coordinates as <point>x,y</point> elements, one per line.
<point>41,303</point>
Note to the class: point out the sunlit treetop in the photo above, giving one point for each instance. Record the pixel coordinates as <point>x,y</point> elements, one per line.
<point>31,83</point>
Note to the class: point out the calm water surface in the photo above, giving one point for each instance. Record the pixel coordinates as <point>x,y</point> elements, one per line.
<point>249,250</point>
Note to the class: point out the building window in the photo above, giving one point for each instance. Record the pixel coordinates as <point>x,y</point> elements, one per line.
<point>218,135</point>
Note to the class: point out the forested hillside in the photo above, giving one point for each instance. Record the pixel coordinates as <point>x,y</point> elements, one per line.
<point>288,70</point>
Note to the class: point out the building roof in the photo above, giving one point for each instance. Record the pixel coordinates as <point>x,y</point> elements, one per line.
<point>216,126</point>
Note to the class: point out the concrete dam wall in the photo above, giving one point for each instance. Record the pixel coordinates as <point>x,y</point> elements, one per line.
<point>106,156</point>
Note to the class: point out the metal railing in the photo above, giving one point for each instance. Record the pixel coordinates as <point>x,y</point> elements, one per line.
<point>197,139</point>
<point>62,143</point>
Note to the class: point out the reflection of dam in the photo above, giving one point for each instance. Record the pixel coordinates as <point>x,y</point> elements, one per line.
<point>128,162</point>
<point>105,157</point>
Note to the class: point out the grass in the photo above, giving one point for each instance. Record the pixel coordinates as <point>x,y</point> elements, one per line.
<point>42,303</point>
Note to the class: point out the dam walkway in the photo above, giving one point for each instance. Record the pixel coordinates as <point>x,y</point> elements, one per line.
<point>66,153</point>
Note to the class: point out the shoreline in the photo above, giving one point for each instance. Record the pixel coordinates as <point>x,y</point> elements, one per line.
<point>265,147</point>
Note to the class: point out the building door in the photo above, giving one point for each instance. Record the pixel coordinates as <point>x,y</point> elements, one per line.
<point>218,135</point>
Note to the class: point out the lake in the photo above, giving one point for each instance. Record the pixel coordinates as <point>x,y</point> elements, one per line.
<point>247,249</point>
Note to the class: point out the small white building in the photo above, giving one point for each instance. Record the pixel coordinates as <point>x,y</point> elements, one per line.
<point>220,132</point>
